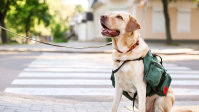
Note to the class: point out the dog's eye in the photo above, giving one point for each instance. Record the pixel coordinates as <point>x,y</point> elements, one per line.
<point>119,17</point>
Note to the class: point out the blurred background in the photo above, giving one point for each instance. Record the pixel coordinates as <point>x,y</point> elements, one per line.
<point>63,20</point>
<point>45,20</point>
<point>169,27</point>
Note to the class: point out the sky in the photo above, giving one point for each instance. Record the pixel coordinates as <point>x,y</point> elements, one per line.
<point>84,3</point>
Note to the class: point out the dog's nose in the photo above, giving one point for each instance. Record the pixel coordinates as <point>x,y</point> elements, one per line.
<point>103,17</point>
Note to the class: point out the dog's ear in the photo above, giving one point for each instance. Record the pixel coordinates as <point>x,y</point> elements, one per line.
<point>132,24</point>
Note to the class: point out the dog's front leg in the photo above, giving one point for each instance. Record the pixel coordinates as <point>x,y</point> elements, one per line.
<point>141,97</point>
<point>117,97</point>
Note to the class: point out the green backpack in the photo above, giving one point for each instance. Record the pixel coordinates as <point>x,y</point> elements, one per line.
<point>158,81</point>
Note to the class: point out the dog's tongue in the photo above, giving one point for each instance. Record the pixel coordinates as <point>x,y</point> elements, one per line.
<point>108,32</point>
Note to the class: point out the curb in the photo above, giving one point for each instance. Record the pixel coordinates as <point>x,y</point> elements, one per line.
<point>39,98</point>
<point>89,51</point>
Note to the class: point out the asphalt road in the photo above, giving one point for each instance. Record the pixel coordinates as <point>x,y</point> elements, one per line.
<point>57,74</point>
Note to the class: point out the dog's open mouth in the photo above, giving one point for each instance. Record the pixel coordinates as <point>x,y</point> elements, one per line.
<point>108,32</point>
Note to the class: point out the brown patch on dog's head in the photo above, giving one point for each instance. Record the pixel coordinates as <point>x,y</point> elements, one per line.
<point>132,24</point>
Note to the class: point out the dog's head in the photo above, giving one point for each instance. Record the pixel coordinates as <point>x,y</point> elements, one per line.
<point>118,23</point>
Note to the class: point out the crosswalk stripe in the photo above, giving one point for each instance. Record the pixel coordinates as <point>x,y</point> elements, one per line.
<point>85,82</point>
<point>97,67</point>
<point>70,66</point>
<point>69,70</point>
<point>185,82</point>
<point>183,72</point>
<point>61,82</point>
<point>49,62</point>
<point>182,91</point>
<point>40,74</point>
<point>84,91</point>
<point>89,75</point>
<point>94,70</point>
<point>184,76</point>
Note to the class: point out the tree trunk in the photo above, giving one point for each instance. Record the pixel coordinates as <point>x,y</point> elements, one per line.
<point>3,32</point>
<point>167,21</point>
<point>27,35</point>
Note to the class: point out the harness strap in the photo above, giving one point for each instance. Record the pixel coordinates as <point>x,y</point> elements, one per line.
<point>114,71</point>
<point>134,100</point>
<point>158,87</point>
<point>154,55</point>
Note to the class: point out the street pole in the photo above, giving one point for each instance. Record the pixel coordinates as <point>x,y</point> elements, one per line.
<point>143,4</point>
<point>143,23</point>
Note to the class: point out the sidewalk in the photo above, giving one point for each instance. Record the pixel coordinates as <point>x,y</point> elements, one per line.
<point>158,48</point>
<point>25,103</point>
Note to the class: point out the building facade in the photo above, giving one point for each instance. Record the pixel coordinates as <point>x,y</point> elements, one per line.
<point>184,18</point>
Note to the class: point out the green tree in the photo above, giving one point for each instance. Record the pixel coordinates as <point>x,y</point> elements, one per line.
<point>167,18</point>
<point>25,13</point>
<point>79,8</point>
<point>4,8</point>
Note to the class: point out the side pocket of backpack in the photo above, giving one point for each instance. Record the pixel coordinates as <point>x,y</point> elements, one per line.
<point>155,73</point>
<point>166,84</point>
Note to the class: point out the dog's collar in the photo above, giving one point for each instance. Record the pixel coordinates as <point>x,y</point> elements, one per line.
<point>137,43</point>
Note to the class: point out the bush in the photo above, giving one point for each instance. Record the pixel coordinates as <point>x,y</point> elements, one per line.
<point>108,39</point>
<point>59,33</point>
<point>60,40</point>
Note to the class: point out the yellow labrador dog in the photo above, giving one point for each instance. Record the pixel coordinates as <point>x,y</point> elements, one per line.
<point>122,28</point>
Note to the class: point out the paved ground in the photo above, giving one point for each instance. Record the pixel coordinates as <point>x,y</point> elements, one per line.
<point>84,77</point>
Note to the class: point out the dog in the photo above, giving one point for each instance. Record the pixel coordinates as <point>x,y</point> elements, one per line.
<point>122,28</point>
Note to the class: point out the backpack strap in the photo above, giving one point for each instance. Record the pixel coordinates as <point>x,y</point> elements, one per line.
<point>154,55</point>
<point>114,71</point>
<point>161,82</point>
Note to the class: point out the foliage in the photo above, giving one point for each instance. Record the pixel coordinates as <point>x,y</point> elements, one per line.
<point>4,8</point>
<point>59,33</point>
<point>5,5</point>
<point>108,40</point>
<point>195,1</point>
<point>79,8</point>
<point>25,16</point>
<point>60,40</point>
<point>174,44</point>
<point>25,13</point>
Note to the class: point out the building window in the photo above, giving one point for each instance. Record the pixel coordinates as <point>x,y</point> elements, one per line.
<point>158,20</point>
<point>183,20</point>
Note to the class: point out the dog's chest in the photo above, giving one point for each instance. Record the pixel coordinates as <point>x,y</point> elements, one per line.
<point>127,85</point>
<point>125,78</point>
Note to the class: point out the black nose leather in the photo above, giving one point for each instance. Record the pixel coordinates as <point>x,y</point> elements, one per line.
<point>103,16</point>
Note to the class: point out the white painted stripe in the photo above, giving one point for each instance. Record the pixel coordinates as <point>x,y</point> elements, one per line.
<point>69,66</point>
<point>60,82</point>
<point>82,63</point>
<point>184,76</point>
<point>72,64</point>
<point>185,82</point>
<point>61,91</point>
<point>89,75</point>
<point>177,68</point>
<point>85,82</point>
<point>84,91</point>
<point>40,74</point>
<point>90,67</point>
<point>180,91</point>
<point>183,72</point>
<point>95,70</point>
<point>68,70</point>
